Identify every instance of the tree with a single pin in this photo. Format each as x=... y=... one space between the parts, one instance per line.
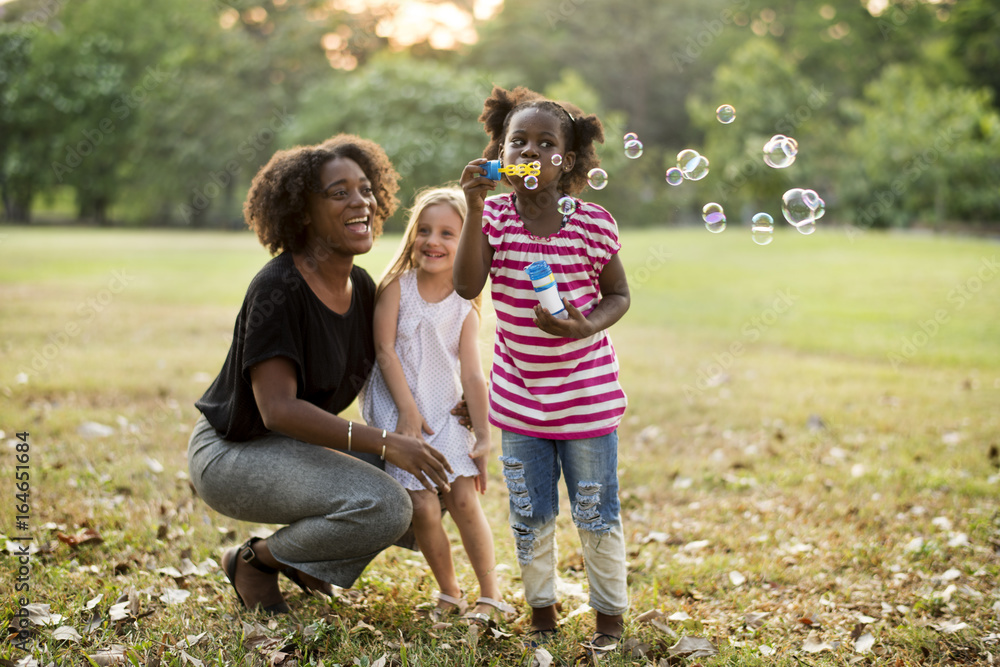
x=921 y=152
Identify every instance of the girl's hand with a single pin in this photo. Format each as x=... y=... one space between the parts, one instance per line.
x=419 y=459
x=576 y=326
x=480 y=479
x=480 y=448
x=413 y=424
x=475 y=184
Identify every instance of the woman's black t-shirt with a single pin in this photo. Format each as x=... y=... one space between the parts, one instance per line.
x=281 y=317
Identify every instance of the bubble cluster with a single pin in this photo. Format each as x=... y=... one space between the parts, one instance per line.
x=802 y=208
x=692 y=164
x=567 y=205
x=674 y=176
x=714 y=217
x=557 y=159
x=762 y=228
x=597 y=178
x=631 y=136
x=780 y=151
x=633 y=149
x=531 y=182
x=726 y=114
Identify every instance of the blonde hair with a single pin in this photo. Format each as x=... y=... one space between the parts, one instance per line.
x=403 y=259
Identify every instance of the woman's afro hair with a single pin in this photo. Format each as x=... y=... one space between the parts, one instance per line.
x=275 y=207
x=580 y=132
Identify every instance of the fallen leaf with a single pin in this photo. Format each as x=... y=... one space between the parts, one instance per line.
x=697 y=545
x=174 y=596
x=766 y=649
x=647 y=616
x=119 y=612
x=812 y=644
x=85 y=536
x=737 y=578
x=951 y=627
x=108 y=657
x=693 y=647
x=679 y=616
x=94 y=430
x=542 y=658
x=864 y=643
x=91 y=603
x=755 y=619
x=66 y=633
x=188 y=659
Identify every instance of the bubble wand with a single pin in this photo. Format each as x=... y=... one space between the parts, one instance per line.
x=493 y=169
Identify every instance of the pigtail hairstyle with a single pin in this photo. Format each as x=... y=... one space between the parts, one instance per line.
x=586 y=130
x=275 y=207
x=580 y=131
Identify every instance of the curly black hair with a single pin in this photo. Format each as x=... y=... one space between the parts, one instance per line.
x=579 y=130
x=275 y=208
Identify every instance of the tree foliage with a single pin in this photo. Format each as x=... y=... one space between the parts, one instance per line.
x=162 y=112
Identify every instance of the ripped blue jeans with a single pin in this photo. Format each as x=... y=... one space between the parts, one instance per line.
x=531 y=468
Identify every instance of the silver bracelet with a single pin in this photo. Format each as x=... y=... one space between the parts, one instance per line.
x=350 y=427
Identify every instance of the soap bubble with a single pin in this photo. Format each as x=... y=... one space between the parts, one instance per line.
x=696 y=169
x=780 y=151
x=633 y=149
x=557 y=159
x=762 y=228
x=531 y=182
x=631 y=136
x=685 y=156
x=597 y=178
x=567 y=205
x=726 y=114
x=535 y=165
x=795 y=209
x=815 y=203
x=807 y=227
x=714 y=217
x=674 y=176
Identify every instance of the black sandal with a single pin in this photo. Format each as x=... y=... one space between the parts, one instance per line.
x=296 y=578
x=245 y=553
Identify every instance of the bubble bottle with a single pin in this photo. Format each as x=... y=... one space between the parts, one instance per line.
x=546 y=289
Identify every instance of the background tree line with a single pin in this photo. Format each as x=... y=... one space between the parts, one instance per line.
x=128 y=112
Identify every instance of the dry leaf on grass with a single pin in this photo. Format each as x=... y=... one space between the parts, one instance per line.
x=542 y=658
x=693 y=647
x=85 y=536
x=66 y=633
x=864 y=643
x=109 y=657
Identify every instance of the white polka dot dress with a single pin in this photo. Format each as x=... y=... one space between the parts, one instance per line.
x=427 y=336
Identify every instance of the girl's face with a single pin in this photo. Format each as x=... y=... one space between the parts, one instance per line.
x=436 y=240
x=536 y=134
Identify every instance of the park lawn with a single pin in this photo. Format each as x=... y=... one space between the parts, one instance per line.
x=809 y=462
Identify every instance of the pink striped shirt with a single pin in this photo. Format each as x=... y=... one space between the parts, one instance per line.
x=542 y=385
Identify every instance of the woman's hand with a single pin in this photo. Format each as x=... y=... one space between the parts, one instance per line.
x=419 y=459
x=576 y=326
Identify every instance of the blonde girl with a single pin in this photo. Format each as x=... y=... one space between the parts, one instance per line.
x=426 y=343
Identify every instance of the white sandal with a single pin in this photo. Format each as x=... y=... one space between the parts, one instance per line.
x=501 y=609
x=457 y=606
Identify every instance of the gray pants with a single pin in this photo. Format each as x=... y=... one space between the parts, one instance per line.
x=338 y=512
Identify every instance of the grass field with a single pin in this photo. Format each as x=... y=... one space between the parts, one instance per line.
x=809 y=462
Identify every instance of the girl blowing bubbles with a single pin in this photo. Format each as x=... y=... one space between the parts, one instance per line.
x=426 y=340
x=554 y=389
